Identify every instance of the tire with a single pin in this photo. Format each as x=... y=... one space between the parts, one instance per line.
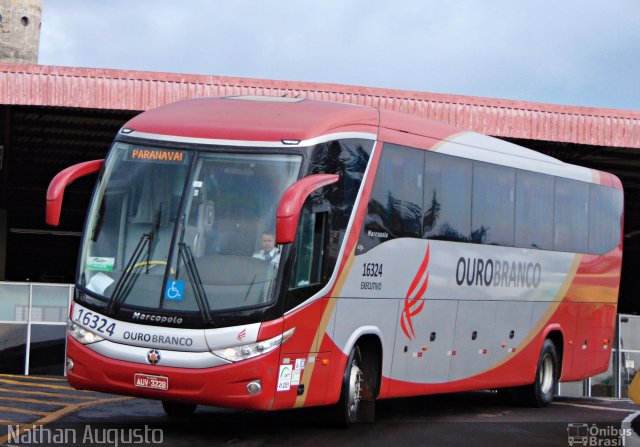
x=349 y=408
x=540 y=392
x=178 y=409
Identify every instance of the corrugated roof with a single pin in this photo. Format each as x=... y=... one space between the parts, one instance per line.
x=134 y=90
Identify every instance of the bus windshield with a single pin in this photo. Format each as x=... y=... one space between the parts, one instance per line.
x=185 y=231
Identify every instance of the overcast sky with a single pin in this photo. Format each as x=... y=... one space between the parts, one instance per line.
x=575 y=52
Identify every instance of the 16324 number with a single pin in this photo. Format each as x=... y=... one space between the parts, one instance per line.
x=371 y=269
x=95 y=322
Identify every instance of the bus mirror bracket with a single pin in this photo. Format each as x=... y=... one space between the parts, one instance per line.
x=291 y=203
x=55 y=193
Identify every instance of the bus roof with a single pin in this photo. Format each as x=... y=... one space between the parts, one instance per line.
x=260 y=119
x=275 y=119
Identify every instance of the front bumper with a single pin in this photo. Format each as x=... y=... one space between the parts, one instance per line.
x=223 y=386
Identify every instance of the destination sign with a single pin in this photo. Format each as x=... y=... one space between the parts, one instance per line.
x=158 y=155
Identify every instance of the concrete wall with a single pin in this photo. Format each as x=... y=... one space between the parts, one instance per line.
x=20 y=30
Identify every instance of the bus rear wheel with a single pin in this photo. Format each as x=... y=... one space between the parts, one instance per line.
x=540 y=392
x=178 y=409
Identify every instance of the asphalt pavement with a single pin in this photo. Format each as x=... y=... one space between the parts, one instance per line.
x=63 y=416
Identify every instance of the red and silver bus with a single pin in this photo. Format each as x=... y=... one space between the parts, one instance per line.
x=411 y=258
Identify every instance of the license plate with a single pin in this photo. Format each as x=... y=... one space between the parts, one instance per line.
x=149 y=381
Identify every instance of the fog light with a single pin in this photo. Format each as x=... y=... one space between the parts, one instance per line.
x=254 y=387
x=69 y=366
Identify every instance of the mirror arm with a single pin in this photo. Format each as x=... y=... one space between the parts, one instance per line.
x=292 y=201
x=55 y=193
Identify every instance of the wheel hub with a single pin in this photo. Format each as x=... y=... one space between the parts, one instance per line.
x=546 y=374
x=355 y=388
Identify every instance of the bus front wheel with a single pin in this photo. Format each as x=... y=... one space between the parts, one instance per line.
x=357 y=403
x=540 y=392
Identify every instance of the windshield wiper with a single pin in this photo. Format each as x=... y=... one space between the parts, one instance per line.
x=186 y=256
x=127 y=280
x=253 y=280
x=152 y=236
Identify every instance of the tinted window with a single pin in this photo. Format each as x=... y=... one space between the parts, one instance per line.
x=571 y=216
x=534 y=210
x=605 y=215
x=472 y=201
x=315 y=256
x=493 y=204
x=395 y=207
x=447 y=198
x=308 y=251
x=348 y=159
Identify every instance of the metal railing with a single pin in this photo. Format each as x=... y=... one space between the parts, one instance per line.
x=628 y=352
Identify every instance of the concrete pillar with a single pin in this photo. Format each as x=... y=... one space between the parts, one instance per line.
x=20 y=30
x=4 y=187
x=3 y=244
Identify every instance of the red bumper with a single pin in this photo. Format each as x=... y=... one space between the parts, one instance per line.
x=223 y=386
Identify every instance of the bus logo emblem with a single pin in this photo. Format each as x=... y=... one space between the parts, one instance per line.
x=242 y=335
x=153 y=356
x=412 y=304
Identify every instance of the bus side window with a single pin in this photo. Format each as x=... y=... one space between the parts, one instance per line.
x=534 y=210
x=395 y=206
x=571 y=216
x=605 y=214
x=493 y=204
x=447 y=198
x=310 y=246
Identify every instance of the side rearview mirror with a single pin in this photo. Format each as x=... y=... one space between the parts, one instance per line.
x=55 y=193
x=291 y=203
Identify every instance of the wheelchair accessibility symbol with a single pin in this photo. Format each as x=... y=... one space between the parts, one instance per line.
x=174 y=290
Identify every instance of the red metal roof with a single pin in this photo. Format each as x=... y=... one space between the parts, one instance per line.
x=133 y=90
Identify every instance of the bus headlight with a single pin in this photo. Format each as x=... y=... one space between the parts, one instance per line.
x=243 y=352
x=81 y=334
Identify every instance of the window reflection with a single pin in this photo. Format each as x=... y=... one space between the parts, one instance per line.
x=492 y=221
x=534 y=210
x=571 y=216
x=13 y=339
x=395 y=207
x=47 y=349
x=447 y=214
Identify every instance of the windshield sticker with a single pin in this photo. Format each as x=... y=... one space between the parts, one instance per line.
x=174 y=290
x=100 y=264
x=161 y=155
x=99 y=283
